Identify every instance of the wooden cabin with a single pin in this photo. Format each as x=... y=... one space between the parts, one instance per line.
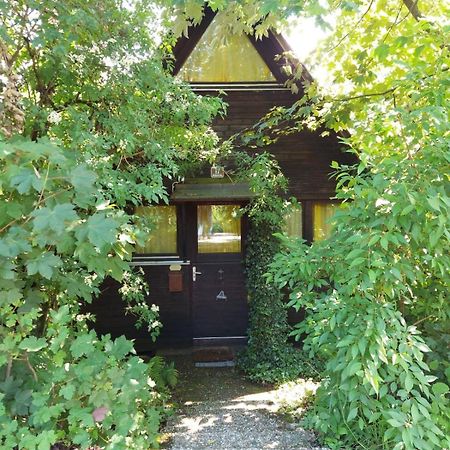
x=194 y=258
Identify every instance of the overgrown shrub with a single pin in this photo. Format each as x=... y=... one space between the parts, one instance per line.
x=78 y=389
x=60 y=382
x=92 y=122
x=378 y=390
x=285 y=364
x=375 y=290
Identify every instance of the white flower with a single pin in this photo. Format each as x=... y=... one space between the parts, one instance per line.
x=382 y=202
x=151 y=383
x=79 y=58
x=54 y=117
x=155 y=308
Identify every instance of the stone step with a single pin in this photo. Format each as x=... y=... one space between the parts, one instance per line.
x=212 y=355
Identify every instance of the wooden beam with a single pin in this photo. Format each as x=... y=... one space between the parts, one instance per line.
x=185 y=45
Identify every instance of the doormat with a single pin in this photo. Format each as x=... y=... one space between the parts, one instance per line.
x=213 y=357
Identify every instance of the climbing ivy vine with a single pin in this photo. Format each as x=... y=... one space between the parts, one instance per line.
x=265 y=355
x=268 y=357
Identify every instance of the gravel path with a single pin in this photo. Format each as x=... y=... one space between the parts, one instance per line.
x=220 y=410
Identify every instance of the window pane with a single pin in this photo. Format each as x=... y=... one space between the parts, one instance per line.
x=322 y=219
x=163 y=237
x=293 y=221
x=221 y=56
x=218 y=229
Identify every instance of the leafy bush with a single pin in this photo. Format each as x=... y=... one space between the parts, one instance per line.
x=385 y=262
x=60 y=383
x=286 y=364
x=92 y=122
x=437 y=337
x=74 y=388
x=377 y=287
x=378 y=389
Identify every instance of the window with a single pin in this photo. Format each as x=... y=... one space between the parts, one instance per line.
x=221 y=56
x=293 y=221
x=218 y=229
x=323 y=213
x=163 y=237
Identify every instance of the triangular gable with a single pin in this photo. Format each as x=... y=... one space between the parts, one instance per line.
x=220 y=57
x=268 y=48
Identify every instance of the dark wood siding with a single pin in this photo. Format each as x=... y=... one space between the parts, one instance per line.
x=174 y=308
x=304 y=157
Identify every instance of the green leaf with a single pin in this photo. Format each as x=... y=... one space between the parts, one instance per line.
x=407 y=209
x=121 y=347
x=382 y=51
x=355 y=252
x=354 y=367
x=43 y=264
x=374 y=239
x=33 y=299
x=5 y=249
x=67 y=391
x=83 y=345
x=32 y=344
x=352 y=414
x=23 y=181
x=83 y=179
x=434 y=203
x=440 y=388
x=423 y=347
x=357 y=261
x=396 y=273
x=101 y=230
x=395 y=423
x=46 y=439
x=7 y=270
x=54 y=219
x=409 y=383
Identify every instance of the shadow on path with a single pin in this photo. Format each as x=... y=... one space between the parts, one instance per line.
x=220 y=410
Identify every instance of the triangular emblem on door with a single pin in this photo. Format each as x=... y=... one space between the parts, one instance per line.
x=221 y=296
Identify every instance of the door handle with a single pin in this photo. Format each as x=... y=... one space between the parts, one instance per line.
x=195 y=273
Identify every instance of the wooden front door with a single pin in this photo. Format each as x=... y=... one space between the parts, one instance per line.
x=219 y=298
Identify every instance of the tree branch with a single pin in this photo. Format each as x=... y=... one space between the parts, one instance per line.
x=413 y=8
x=354 y=27
x=8 y=368
x=33 y=372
